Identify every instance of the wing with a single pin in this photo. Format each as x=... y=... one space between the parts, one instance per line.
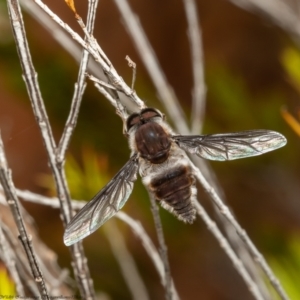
x=229 y=146
x=104 y=205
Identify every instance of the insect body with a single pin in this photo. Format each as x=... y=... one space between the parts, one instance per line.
x=160 y=157
x=163 y=166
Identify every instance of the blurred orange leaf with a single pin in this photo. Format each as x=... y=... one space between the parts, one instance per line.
x=294 y=124
x=71 y=4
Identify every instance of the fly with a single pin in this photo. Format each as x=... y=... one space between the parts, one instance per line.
x=159 y=155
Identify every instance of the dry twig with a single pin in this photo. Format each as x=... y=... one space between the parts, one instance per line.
x=80 y=262
x=197 y=61
x=126 y=262
x=12 y=201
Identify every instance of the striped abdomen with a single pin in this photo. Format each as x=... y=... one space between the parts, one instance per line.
x=175 y=190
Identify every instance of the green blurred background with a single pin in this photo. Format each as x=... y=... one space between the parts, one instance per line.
x=252 y=72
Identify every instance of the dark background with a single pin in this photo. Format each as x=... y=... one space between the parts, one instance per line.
x=248 y=83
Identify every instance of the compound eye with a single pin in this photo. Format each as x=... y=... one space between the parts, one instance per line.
x=132 y=120
x=150 y=113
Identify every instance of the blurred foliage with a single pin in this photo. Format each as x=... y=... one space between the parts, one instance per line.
x=287 y=266
x=232 y=106
x=85 y=178
x=290 y=60
x=7 y=287
x=230 y=98
x=90 y=177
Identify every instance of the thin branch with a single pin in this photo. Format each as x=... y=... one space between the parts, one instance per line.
x=135 y=226
x=64 y=39
x=12 y=201
x=120 y=109
x=9 y=261
x=199 y=90
x=241 y=249
x=56 y=279
x=280 y=12
x=102 y=83
x=165 y=91
x=237 y=263
x=162 y=248
x=60 y=35
x=21 y=261
x=132 y=65
x=198 y=110
x=95 y=50
x=79 y=88
x=103 y=88
x=110 y=72
x=80 y=262
x=147 y=243
x=140 y=232
x=126 y=262
x=258 y=257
